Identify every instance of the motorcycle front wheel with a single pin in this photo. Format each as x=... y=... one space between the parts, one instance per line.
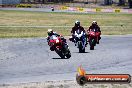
x=92 y=44
x=81 y=50
x=60 y=53
x=68 y=55
x=67 y=51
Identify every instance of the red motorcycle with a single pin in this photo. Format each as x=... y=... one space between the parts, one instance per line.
x=94 y=37
x=59 y=46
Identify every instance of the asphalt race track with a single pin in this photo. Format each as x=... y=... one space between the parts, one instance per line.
x=30 y=60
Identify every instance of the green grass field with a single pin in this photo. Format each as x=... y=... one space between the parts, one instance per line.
x=111 y=23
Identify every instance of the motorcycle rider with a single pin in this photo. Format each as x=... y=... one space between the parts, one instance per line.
x=75 y=28
x=96 y=27
x=50 y=32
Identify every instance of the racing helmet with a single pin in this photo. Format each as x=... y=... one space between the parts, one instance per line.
x=50 y=32
x=94 y=23
x=77 y=23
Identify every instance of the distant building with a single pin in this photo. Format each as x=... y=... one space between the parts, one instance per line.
x=9 y=2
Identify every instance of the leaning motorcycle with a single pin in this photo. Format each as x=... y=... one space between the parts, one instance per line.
x=93 y=38
x=59 y=46
x=80 y=40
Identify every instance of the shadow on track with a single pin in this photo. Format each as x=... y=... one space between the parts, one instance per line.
x=78 y=52
x=60 y=58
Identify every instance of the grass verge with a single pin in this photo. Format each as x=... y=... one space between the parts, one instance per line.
x=111 y=23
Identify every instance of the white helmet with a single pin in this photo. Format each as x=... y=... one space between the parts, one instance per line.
x=94 y=22
x=50 y=31
x=77 y=23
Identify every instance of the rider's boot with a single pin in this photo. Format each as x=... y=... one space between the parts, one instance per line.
x=98 y=40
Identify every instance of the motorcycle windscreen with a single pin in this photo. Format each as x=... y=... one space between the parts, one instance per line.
x=94 y=30
x=78 y=31
x=79 y=34
x=53 y=37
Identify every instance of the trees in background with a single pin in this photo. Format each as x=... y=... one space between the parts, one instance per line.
x=130 y=3
x=107 y=2
x=121 y=2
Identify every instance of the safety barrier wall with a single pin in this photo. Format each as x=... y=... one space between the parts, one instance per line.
x=24 y=5
x=79 y=9
x=76 y=9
